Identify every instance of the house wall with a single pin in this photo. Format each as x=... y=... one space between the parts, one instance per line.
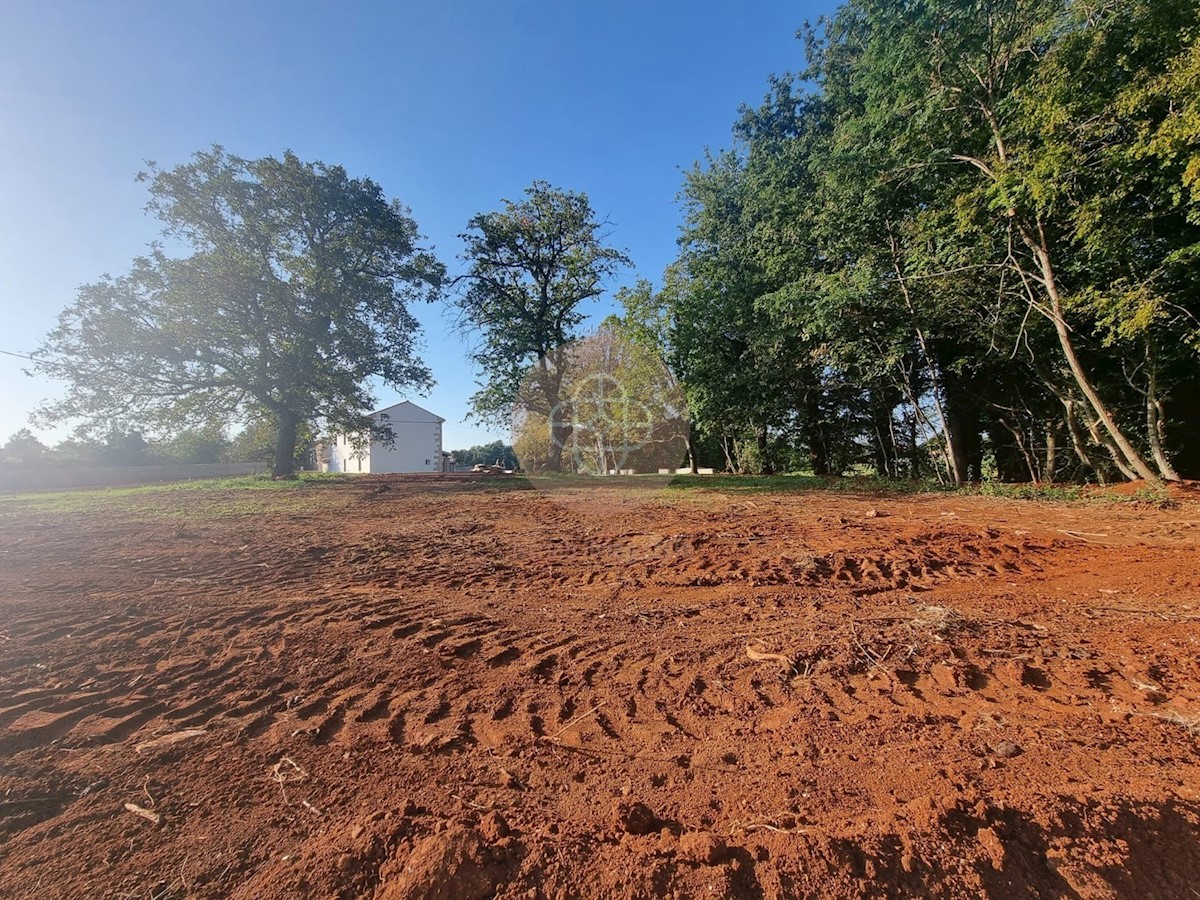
x=344 y=458
x=418 y=448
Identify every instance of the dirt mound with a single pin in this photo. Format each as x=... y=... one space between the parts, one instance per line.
x=473 y=690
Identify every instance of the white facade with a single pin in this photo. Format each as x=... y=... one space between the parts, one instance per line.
x=417 y=448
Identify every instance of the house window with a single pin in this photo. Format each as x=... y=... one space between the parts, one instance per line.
x=426 y=462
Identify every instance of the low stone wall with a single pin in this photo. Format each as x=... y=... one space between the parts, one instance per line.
x=61 y=479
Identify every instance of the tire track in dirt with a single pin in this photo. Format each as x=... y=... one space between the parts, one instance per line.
x=645 y=693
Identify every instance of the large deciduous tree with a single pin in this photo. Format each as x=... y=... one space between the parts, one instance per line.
x=296 y=292
x=532 y=266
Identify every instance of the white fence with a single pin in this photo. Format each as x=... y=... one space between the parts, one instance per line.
x=60 y=479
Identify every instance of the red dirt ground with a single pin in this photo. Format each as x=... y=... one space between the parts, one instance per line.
x=456 y=689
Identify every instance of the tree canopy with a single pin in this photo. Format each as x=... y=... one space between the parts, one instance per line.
x=296 y=292
x=487 y=455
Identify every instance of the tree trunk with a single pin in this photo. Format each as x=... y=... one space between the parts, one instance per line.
x=953 y=453
x=879 y=449
x=1079 y=442
x=959 y=468
x=560 y=434
x=768 y=467
x=1026 y=450
x=881 y=414
x=1155 y=420
x=818 y=454
x=1099 y=437
x=961 y=409
x=550 y=375
x=691 y=455
x=1154 y=431
x=920 y=417
x=1051 y=451
x=1118 y=444
x=287 y=425
x=729 y=464
x=895 y=444
x=1116 y=440
x=1011 y=467
x=914 y=451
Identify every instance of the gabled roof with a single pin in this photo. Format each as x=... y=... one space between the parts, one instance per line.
x=407 y=411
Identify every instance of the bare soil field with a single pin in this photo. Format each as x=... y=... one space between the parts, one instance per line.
x=409 y=688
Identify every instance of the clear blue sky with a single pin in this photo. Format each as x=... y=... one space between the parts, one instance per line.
x=451 y=106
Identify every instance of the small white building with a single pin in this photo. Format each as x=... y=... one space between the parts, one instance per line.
x=417 y=447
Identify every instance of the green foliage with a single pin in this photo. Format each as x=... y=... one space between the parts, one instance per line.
x=1173 y=139
x=1050 y=492
x=531 y=266
x=965 y=229
x=1110 y=164
x=196 y=445
x=115 y=447
x=487 y=454
x=1154 y=495
x=771 y=484
x=256 y=442
x=297 y=291
x=23 y=449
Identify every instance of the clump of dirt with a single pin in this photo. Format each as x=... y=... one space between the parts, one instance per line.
x=464 y=688
x=453 y=865
x=635 y=818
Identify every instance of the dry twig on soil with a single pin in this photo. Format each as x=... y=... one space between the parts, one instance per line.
x=873 y=658
x=1191 y=724
x=294 y=773
x=1134 y=611
x=578 y=718
x=767 y=825
x=786 y=665
x=465 y=802
x=941 y=620
x=1085 y=536
x=147 y=814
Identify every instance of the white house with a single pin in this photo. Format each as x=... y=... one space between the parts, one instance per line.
x=417 y=448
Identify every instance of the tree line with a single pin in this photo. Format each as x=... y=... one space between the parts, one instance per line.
x=963 y=240
x=965 y=235
x=490 y=454
x=25 y=450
